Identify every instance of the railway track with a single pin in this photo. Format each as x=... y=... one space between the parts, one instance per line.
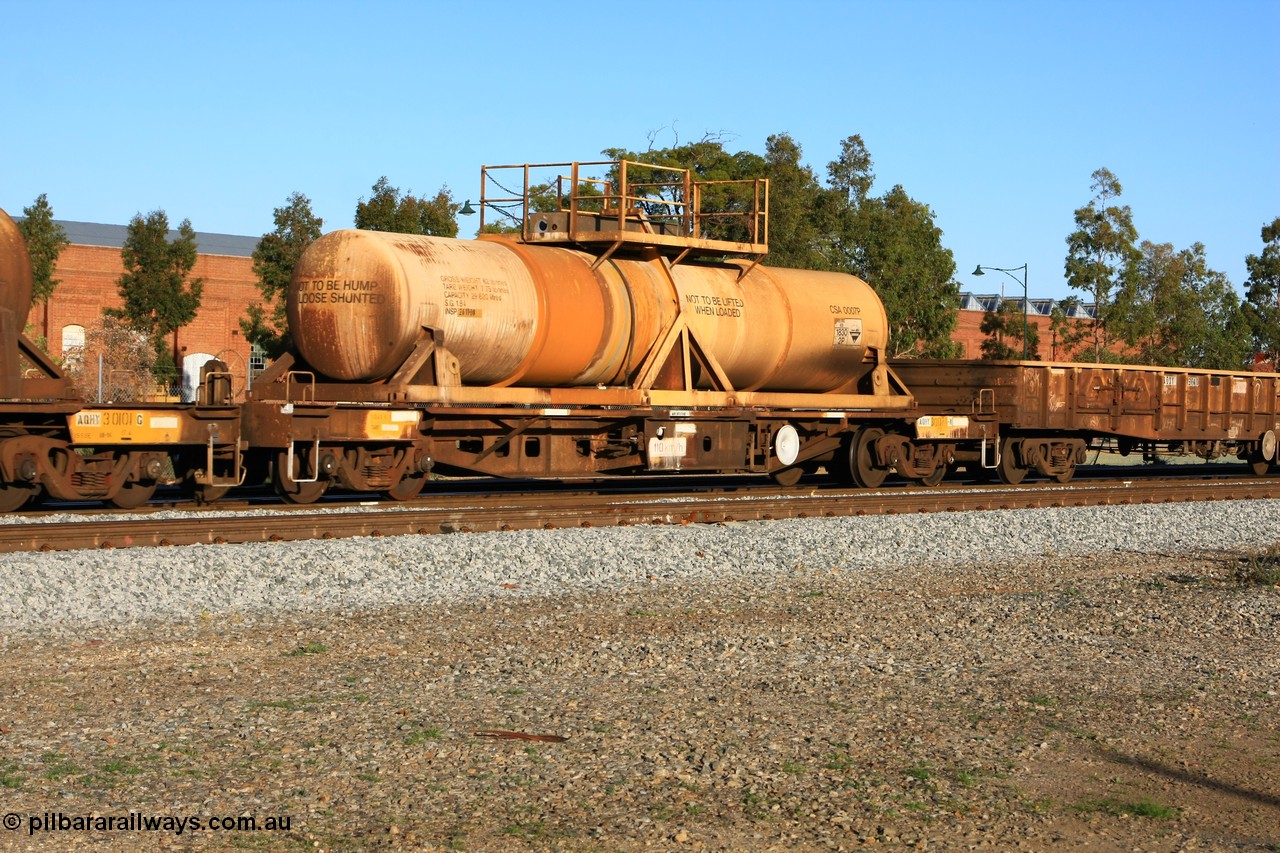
x=488 y=512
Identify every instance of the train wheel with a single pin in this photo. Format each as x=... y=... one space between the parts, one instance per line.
x=208 y=494
x=1258 y=465
x=1011 y=473
x=200 y=493
x=935 y=476
x=862 y=459
x=788 y=476
x=133 y=495
x=288 y=488
x=408 y=488
x=13 y=495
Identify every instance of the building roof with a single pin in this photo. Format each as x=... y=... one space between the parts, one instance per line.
x=113 y=236
x=1042 y=307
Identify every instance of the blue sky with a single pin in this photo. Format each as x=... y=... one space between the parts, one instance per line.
x=993 y=113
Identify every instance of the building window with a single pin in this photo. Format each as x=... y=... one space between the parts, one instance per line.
x=257 y=360
x=72 y=346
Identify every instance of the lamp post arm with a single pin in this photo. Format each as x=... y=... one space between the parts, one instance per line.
x=1026 y=301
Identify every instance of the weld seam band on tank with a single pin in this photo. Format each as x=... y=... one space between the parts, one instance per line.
x=623 y=359
x=538 y=277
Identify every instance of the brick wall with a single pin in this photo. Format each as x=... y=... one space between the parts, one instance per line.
x=88 y=277
x=969 y=335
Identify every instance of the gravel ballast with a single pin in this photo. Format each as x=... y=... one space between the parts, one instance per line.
x=1091 y=678
x=72 y=590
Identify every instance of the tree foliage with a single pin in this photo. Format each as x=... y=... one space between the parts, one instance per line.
x=1068 y=331
x=45 y=241
x=902 y=256
x=1177 y=311
x=890 y=240
x=1262 y=308
x=1102 y=256
x=1004 y=330
x=795 y=229
x=388 y=210
x=159 y=298
x=274 y=259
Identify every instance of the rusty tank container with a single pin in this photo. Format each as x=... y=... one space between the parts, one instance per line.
x=15 y=273
x=516 y=314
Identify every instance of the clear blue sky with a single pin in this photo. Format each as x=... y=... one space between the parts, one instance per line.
x=993 y=113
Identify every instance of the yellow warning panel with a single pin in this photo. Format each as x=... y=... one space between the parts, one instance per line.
x=125 y=426
x=942 y=426
x=391 y=424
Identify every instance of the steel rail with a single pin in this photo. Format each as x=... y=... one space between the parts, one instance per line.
x=515 y=512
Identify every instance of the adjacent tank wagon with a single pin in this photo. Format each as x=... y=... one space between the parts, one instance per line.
x=515 y=315
x=604 y=336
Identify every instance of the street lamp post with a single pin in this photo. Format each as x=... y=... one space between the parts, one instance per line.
x=1026 y=304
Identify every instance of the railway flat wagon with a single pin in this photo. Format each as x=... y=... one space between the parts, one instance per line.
x=1021 y=416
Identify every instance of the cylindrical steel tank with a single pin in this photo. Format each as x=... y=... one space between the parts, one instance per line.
x=539 y=316
x=15 y=272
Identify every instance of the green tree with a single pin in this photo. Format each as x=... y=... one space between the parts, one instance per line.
x=1068 y=332
x=849 y=181
x=159 y=298
x=1262 y=308
x=274 y=259
x=1177 y=311
x=1153 y=310
x=707 y=161
x=45 y=241
x=795 y=230
x=1004 y=331
x=891 y=241
x=850 y=174
x=1102 y=256
x=1214 y=332
x=1228 y=345
x=388 y=210
x=898 y=250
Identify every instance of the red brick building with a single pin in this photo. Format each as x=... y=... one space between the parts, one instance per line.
x=89 y=268
x=973 y=307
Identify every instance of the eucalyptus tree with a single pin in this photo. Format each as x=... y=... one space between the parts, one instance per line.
x=388 y=210
x=1102 y=257
x=274 y=259
x=1178 y=311
x=1263 y=294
